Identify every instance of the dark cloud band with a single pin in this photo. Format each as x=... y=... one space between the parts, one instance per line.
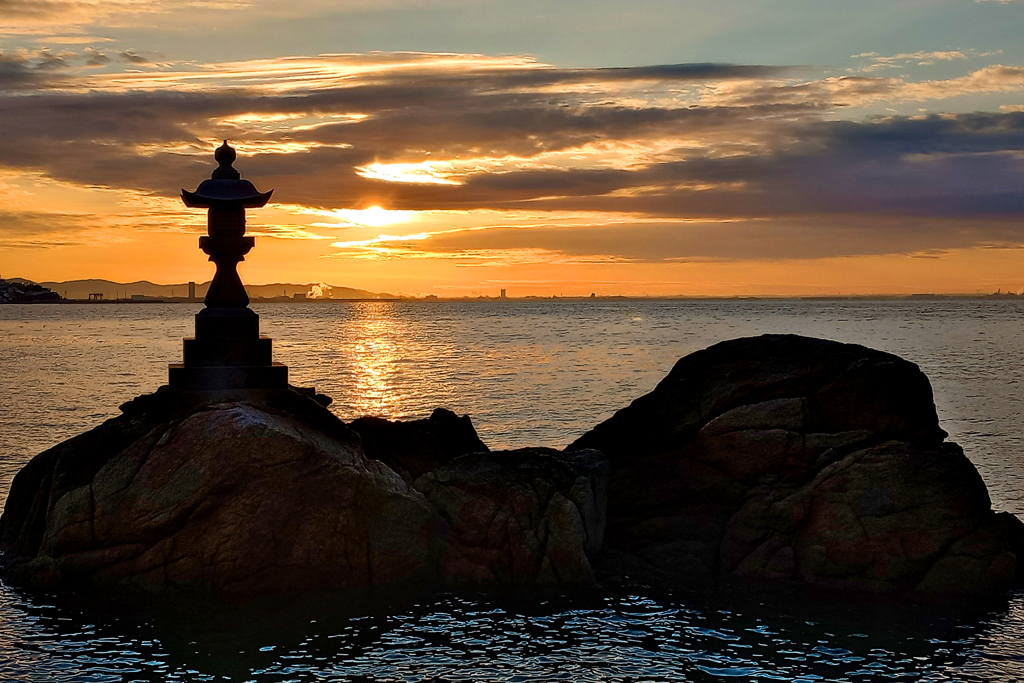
x=789 y=182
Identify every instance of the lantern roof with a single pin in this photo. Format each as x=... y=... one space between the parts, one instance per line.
x=225 y=189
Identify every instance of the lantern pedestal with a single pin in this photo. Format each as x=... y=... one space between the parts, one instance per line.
x=227 y=352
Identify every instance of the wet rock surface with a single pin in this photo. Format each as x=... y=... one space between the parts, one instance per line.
x=787 y=459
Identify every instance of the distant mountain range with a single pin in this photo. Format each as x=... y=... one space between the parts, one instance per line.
x=81 y=289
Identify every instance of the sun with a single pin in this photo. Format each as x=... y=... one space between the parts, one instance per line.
x=370 y=217
x=377 y=217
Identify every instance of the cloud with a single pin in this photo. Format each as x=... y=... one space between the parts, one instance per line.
x=71 y=40
x=95 y=58
x=877 y=62
x=696 y=241
x=481 y=73
x=992 y=79
x=699 y=161
x=44 y=69
x=24 y=71
x=862 y=91
x=133 y=57
x=44 y=229
x=50 y=16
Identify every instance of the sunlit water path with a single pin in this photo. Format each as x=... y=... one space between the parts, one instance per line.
x=538 y=373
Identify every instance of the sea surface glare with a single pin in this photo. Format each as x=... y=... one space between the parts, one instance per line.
x=529 y=373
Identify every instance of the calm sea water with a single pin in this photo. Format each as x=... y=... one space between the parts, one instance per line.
x=529 y=374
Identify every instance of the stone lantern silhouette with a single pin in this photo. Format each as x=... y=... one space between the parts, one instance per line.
x=227 y=352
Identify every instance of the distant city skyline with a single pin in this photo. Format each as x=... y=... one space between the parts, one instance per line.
x=461 y=147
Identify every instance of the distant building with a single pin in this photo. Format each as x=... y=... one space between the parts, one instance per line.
x=503 y=294
x=191 y=290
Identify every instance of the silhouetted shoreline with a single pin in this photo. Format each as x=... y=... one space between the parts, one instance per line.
x=529 y=299
x=145 y=292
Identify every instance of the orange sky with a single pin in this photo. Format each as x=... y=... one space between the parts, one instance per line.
x=454 y=172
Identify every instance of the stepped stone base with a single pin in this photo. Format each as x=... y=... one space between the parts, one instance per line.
x=221 y=377
x=227 y=353
x=207 y=352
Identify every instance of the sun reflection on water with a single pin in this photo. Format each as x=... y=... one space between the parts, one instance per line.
x=376 y=338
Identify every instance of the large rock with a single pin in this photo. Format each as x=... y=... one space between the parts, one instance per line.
x=269 y=493
x=802 y=460
x=241 y=497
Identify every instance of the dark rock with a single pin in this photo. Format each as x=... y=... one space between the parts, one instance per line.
x=268 y=492
x=526 y=517
x=778 y=459
x=784 y=458
x=415 y=447
x=237 y=497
